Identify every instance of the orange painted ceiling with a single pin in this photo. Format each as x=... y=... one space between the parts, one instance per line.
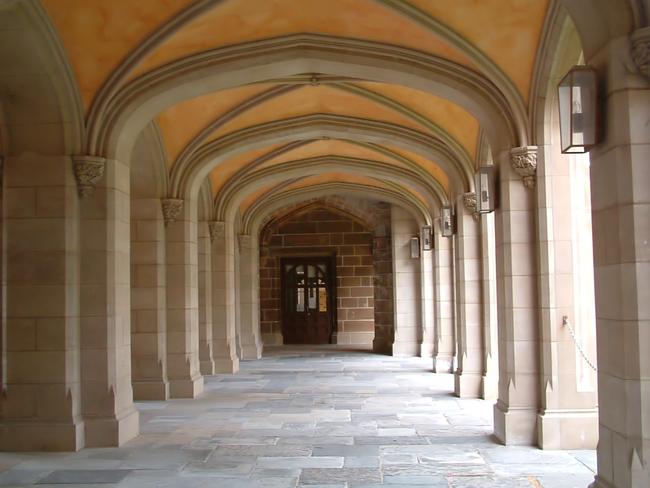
x=99 y=34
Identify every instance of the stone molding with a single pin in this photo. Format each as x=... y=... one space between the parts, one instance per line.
x=640 y=40
x=524 y=162
x=258 y=214
x=217 y=229
x=405 y=178
x=171 y=209
x=305 y=126
x=88 y=170
x=508 y=113
x=245 y=176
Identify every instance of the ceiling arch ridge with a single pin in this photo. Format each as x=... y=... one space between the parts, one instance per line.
x=226 y=117
x=555 y=25
x=461 y=152
x=253 y=218
x=439 y=132
x=324 y=164
x=488 y=67
x=53 y=58
x=265 y=158
x=230 y=186
x=111 y=86
x=142 y=98
x=313 y=127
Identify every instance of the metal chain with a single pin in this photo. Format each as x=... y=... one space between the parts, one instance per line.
x=565 y=321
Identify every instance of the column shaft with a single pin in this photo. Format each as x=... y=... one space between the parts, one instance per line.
x=515 y=413
x=205 y=300
x=444 y=349
x=148 y=301
x=105 y=305
x=183 y=367
x=407 y=288
x=469 y=373
x=40 y=405
x=223 y=300
x=251 y=344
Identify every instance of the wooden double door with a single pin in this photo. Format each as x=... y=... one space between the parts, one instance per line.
x=308 y=300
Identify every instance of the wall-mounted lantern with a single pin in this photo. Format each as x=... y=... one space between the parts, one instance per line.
x=579 y=117
x=427 y=238
x=415 y=247
x=485 y=184
x=446 y=221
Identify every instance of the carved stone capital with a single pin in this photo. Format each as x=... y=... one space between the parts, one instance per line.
x=524 y=162
x=640 y=40
x=171 y=209
x=244 y=241
x=88 y=170
x=469 y=200
x=217 y=229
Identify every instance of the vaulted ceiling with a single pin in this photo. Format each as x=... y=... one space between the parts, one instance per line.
x=118 y=42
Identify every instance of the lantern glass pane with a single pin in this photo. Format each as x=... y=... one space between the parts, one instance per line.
x=586 y=82
x=484 y=184
x=564 y=93
x=578 y=110
x=446 y=225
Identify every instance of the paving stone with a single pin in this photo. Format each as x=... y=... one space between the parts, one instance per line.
x=317 y=418
x=84 y=476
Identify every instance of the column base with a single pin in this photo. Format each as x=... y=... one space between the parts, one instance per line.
x=568 y=429
x=443 y=364
x=382 y=346
x=468 y=385
x=186 y=388
x=600 y=483
x=41 y=436
x=113 y=431
x=251 y=351
x=489 y=387
x=273 y=339
x=406 y=349
x=150 y=390
x=207 y=367
x=360 y=339
x=226 y=366
x=426 y=350
x=515 y=426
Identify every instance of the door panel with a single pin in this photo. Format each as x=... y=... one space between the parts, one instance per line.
x=307 y=299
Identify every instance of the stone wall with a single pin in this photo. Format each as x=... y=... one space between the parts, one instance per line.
x=322 y=231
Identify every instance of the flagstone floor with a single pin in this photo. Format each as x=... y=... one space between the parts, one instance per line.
x=317 y=418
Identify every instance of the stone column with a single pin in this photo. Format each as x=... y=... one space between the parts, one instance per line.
x=251 y=343
x=515 y=413
x=620 y=200
x=205 y=300
x=183 y=367
x=469 y=373
x=490 y=381
x=407 y=288
x=382 y=260
x=105 y=304
x=40 y=405
x=427 y=304
x=444 y=335
x=148 y=301
x=569 y=414
x=223 y=298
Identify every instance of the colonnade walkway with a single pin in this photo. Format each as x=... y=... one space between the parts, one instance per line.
x=316 y=417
